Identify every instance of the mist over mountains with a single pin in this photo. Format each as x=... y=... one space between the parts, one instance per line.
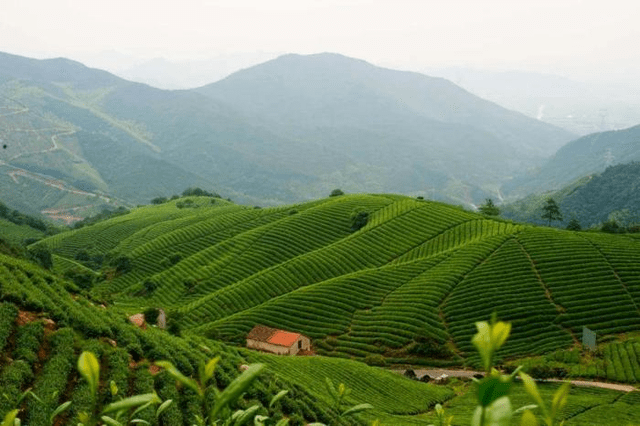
x=287 y=130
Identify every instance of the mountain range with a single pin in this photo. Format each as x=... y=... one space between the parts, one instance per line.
x=290 y=129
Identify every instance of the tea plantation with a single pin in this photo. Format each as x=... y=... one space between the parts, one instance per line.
x=415 y=277
x=404 y=287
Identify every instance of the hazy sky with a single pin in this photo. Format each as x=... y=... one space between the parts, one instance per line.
x=569 y=37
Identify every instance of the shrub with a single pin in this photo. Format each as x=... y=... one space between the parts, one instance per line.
x=151 y=315
x=81 y=278
x=159 y=200
x=377 y=360
x=410 y=374
x=359 y=218
x=82 y=256
x=150 y=286
x=122 y=264
x=43 y=257
x=336 y=192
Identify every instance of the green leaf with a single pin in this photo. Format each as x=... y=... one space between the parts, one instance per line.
x=560 y=399
x=113 y=388
x=492 y=388
x=84 y=417
x=145 y=406
x=10 y=417
x=140 y=421
x=285 y=422
x=171 y=369
x=499 y=333
x=110 y=421
x=278 y=397
x=357 y=409
x=259 y=420
x=235 y=389
x=525 y=408
x=131 y=402
x=163 y=407
x=497 y=414
x=33 y=395
x=528 y=419
x=61 y=408
x=331 y=388
x=532 y=389
x=209 y=369
x=246 y=415
x=89 y=367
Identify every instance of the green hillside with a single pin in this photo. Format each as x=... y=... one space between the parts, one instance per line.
x=582 y=157
x=592 y=200
x=43 y=329
x=407 y=287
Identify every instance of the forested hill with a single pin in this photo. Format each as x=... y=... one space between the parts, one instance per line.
x=376 y=277
x=582 y=157
x=612 y=195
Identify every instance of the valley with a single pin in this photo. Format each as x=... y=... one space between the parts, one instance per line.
x=393 y=271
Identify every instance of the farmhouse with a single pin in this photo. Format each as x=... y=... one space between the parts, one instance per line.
x=277 y=341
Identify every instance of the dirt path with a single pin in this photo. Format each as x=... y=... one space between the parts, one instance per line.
x=433 y=373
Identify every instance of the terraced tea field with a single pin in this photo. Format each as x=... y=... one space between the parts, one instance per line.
x=407 y=287
x=44 y=328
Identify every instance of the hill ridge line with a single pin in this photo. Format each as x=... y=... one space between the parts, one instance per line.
x=441 y=312
x=547 y=291
x=606 y=259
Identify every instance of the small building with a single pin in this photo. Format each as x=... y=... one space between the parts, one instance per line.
x=277 y=341
x=138 y=319
x=161 y=322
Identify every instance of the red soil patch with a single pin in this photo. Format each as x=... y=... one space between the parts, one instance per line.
x=25 y=317
x=49 y=324
x=154 y=369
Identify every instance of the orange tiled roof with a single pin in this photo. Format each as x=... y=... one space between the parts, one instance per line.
x=283 y=338
x=273 y=336
x=137 y=319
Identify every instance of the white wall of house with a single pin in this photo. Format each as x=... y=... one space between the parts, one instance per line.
x=281 y=350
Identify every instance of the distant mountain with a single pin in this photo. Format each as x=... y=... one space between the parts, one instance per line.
x=166 y=74
x=291 y=129
x=400 y=131
x=592 y=200
x=581 y=107
x=79 y=138
x=581 y=157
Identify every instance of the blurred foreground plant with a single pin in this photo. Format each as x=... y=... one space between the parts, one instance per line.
x=492 y=392
x=219 y=412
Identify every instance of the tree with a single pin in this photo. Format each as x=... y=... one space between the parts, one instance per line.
x=489 y=209
x=43 y=257
x=551 y=211
x=336 y=192
x=574 y=225
x=122 y=264
x=359 y=218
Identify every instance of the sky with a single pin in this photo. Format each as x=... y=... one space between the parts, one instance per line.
x=577 y=38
